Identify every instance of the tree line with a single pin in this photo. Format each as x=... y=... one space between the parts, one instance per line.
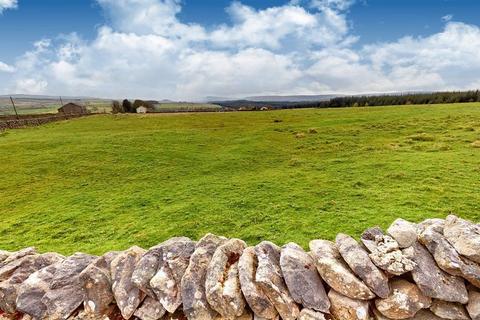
x=361 y=101
x=128 y=107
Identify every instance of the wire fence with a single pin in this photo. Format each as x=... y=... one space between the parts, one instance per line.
x=48 y=105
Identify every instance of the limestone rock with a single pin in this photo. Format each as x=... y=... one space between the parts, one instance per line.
x=4 y=255
x=302 y=278
x=358 y=260
x=309 y=314
x=32 y=290
x=253 y=293
x=127 y=295
x=151 y=309
x=65 y=293
x=464 y=236
x=222 y=284
x=386 y=254
x=377 y=315
x=112 y=314
x=434 y=282
x=425 y=315
x=449 y=310
x=336 y=273
x=146 y=268
x=403 y=232
x=447 y=258
x=247 y=315
x=195 y=304
x=174 y=260
x=473 y=306
x=404 y=302
x=18 y=255
x=436 y=225
x=16 y=272
x=345 y=308
x=371 y=237
x=96 y=280
x=269 y=278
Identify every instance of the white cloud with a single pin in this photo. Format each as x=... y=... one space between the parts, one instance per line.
x=332 y=4
x=298 y=48
x=8 y=4
x=6 y=68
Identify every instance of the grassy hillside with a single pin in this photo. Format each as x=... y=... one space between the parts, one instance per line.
x=107 y=182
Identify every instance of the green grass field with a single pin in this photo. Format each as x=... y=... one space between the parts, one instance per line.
x=107 y=182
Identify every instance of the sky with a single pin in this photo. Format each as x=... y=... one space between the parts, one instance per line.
x=191 y=49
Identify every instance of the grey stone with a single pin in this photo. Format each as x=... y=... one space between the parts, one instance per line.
x=222 y=284
x=302 y=278
x=151 y=309
x=335 y=272
x=346 y=308
x=127 y=296
x=18 y=255
x=309 y=314
x=435 y=224
x=358 y=260
x=447 y=258
x=464 y=236
x=174 y=260
x=32 y=290
x=253 y=293
x=404 y=302
x=96 y=281
x=195 y=305
x=386 y=254
x=146 y=269
x=473 y=306
x=16 y=272
x=111 y=314
x=65 y=293
x=449 y=310
x=269 y=278
x=370 y=238
x=433 y=281
x=404 y=232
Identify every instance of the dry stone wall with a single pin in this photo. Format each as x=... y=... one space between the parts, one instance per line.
x=429 y=270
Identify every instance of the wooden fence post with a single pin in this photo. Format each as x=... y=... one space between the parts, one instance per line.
x=14 y=108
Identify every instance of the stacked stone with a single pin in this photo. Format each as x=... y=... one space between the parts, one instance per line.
x=420 y=271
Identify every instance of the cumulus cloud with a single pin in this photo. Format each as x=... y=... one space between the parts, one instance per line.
x=7 y=4
x=6 y=68
x=302 y=47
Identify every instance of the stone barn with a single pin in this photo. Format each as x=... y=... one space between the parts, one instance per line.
x=72 y=108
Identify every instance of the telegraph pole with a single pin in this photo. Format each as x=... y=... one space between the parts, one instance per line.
x=61 y=101
x=14 y=108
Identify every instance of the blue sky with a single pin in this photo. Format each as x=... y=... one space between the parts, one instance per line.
x=49 y=46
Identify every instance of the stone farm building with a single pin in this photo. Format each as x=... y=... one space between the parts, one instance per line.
x=72 y=108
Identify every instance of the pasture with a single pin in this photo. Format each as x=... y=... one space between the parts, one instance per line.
x=110 y=181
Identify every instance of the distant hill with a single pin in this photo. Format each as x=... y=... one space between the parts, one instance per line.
x=293 y=98
x=277 y=98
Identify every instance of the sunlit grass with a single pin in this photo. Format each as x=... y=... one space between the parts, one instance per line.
x=107 y=182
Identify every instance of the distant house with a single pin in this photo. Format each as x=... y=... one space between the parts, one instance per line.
x=142 y=109
x=72 y=108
